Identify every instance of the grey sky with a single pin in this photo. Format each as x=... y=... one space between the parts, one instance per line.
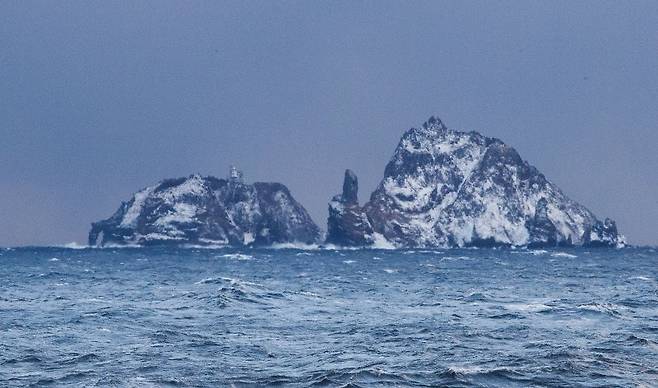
x=99 y=99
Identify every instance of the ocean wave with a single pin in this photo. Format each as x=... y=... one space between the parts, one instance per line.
x=305 y=317
x=237 y=256
x=237 y=290
x=602 y=308
x=29 y=359
x=642 y=278
x=296 y=246
x=75 y=245
x=205 y=246
x=508 y=315
x=474 y=370
x=634 y=340
x=529 y=307
x=224 y=280
x=82 y=358
x=564 y=255
x=455 y=258
x=525 y=251
x=476 y=297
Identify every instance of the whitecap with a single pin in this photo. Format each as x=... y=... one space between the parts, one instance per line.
x=207 y=280
x=643 y=278
x=237 y=256
x=299 y=246
x=605 y=308
x=308 y=293
x=53 y=259
x=452 y=258
x=529 y=307
x=349 y=261
x=207 y=246
x=117 y=246
x=466 y=369
x=563 y=254
x=476 y=297
x=389 y=270
x=231 y=281
x=74 y=245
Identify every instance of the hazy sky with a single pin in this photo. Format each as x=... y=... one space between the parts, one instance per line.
x=99 y=99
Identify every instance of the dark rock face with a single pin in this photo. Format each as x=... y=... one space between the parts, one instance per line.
x=602 y=234
x=348 y=224
x=541 y=229
x=350 y=188
x=207 y=211
x=450 y=188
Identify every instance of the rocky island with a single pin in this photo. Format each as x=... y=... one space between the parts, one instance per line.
x=450 y=188
x=208 y=211
x=442 y=188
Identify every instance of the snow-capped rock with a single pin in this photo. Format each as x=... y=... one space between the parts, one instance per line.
x=208 y=211
x=450 y=188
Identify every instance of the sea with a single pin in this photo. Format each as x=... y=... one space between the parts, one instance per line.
x=193 y=317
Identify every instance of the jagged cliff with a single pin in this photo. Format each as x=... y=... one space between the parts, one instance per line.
x=208 y=211
x=450 y=188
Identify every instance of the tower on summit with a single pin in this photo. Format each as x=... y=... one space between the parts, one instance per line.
x=235 y=175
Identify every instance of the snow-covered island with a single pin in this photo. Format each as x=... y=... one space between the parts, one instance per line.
x=208 y=211
x=450 y=188
x=442 y=188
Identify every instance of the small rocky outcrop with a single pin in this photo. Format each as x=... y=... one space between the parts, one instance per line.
x=348 y=224
x=451 y=188
x=208 y=211
x=602 y=234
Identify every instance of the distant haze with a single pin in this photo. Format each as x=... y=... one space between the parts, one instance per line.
x=99 y=99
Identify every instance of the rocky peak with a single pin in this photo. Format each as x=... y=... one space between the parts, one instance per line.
x=434 y=124
x=451 y=188
x=348 y=224
x=350 y=188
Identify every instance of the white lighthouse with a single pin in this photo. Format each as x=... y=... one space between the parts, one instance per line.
x=235 y=175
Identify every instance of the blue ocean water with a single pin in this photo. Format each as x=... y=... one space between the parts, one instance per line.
x=223 y=317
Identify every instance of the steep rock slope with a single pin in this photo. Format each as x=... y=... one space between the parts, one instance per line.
x=450 y=188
